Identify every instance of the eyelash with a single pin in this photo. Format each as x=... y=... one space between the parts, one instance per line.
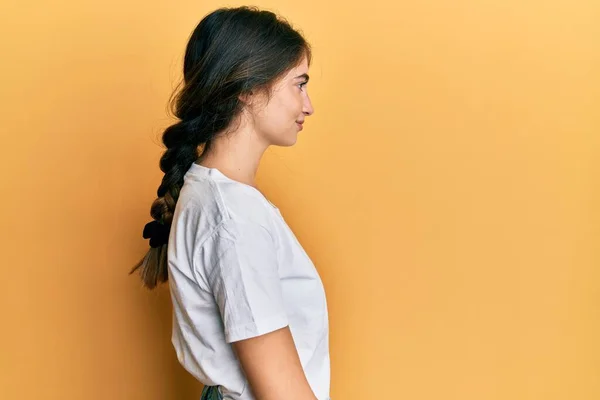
x=301 y=85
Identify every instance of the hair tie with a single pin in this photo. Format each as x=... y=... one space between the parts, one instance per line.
x=157 y=233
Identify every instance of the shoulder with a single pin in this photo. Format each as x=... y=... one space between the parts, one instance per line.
x=222 y=206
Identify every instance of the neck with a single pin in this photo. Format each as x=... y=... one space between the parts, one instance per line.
x=236 y=155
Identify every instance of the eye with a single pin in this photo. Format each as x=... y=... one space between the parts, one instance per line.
x=301 y=85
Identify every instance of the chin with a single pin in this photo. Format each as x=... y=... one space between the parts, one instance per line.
x=293 y=141
x=286 y=142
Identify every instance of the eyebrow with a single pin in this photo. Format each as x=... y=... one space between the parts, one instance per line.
x=305 y=76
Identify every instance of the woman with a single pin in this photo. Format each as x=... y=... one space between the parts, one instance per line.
x=250 y=314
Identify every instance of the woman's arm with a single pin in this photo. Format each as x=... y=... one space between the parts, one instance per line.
x=272 y=366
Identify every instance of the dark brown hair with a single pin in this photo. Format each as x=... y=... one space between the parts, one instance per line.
x=231 y=52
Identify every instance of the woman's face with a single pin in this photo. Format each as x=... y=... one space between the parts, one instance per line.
x=279 y=121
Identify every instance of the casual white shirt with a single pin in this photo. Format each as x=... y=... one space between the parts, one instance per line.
x=236 y=271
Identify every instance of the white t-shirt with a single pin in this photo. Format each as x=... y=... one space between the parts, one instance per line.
x=236 y=271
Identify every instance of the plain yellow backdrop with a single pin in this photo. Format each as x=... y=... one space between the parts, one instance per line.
x=447 y=188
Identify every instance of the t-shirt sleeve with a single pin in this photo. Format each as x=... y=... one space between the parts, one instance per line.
x=245 y=280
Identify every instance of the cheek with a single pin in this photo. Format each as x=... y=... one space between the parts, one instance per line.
x=284 y=111
x=288 y=111
x=296 y=105
x=293 y=99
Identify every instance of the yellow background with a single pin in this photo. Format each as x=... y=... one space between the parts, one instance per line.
x=447 y=188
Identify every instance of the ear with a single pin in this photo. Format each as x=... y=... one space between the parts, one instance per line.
x=246 y=97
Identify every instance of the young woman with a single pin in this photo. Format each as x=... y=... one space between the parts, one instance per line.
x=250 y=314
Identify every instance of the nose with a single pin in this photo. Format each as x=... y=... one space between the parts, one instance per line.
x=307 y=108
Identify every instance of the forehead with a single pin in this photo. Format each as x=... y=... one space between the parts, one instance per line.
x=301 y=68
